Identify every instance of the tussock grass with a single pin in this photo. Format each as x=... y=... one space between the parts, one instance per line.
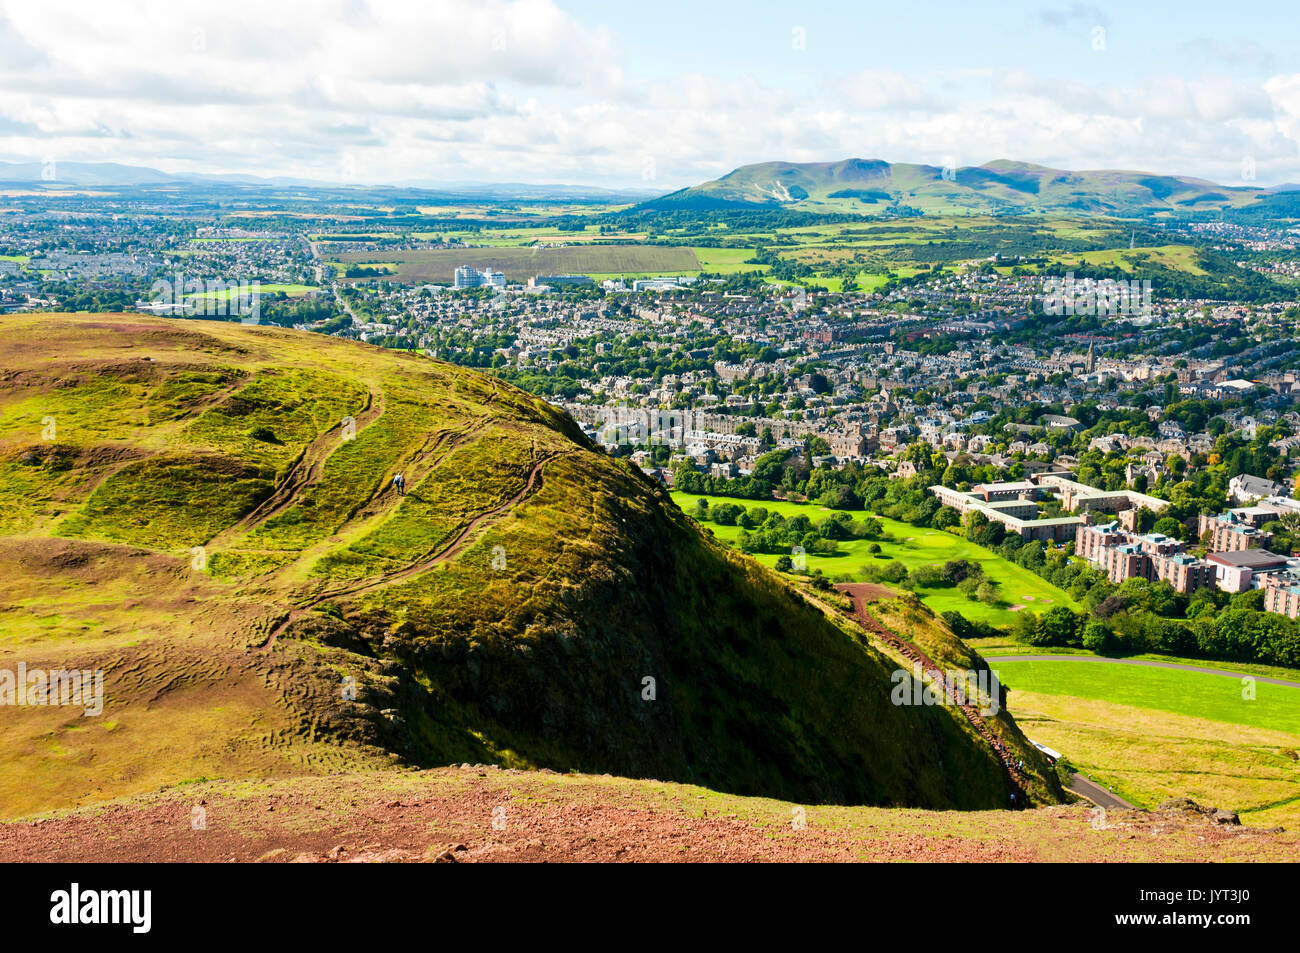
x=170 y=502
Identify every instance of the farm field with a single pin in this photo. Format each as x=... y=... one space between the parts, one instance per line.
x=1177 y=257
x=726 y=261
x=877 y=248
x=1152 y=733
x=516 y=211
x=264 y=289
x=914 y=546
x=523 y=236
x=522 y=263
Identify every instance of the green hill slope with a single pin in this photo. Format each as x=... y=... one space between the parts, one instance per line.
x=204 y=512
x=872 y=186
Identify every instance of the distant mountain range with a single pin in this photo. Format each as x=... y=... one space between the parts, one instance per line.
x=115 y=175
x=873 y=186
x=862 y=186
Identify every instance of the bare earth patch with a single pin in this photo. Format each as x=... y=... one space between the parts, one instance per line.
x=477 y=814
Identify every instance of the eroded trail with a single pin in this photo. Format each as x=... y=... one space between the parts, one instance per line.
x=304 y=472
x=458 y=543
x=1016 y=779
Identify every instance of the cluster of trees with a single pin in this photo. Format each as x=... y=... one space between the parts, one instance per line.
x=1239 y=633
x=764 y=532
x=789 y=473
x=366 y=271
x=1133 y=617
x=279 y=310
x=99 y=300
x=966 y=576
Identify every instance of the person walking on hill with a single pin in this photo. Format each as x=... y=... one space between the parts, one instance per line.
x=399 y=484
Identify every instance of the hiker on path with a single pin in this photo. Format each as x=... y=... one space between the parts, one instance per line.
x=399 y=484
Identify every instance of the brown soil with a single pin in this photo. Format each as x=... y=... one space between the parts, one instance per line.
x=477 y=814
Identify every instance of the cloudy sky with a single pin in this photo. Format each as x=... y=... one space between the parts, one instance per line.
x=653 y=93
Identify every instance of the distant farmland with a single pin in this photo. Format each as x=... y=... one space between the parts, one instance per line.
x=520 y=264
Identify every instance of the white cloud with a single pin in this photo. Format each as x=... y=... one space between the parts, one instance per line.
x=519 y=90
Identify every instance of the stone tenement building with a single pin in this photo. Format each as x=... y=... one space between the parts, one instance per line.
x=669 y=426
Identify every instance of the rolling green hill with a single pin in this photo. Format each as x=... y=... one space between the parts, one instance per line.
x=872 y=186
x=204 y=512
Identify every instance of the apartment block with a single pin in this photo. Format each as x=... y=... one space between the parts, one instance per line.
x=1152 y=556
x=1231 y=533
x=1246 y=569
x=1282 y=595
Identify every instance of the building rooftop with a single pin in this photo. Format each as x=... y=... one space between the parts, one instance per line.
x=1248 y=559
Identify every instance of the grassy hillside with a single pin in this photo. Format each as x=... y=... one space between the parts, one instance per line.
x=203 y=511
x=871 y=186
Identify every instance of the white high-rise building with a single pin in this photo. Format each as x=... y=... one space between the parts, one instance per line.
x=467 y=276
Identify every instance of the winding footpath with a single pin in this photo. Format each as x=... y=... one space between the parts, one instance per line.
x=449 y=550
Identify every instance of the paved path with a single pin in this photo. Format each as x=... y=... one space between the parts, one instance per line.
x=1085 y=787
x=1094 y=792
x=1124 y=661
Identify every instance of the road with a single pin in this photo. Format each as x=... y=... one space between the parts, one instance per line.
x=1094 y=792
x=1081 y=785
x=1150 y=664
x=334 y=286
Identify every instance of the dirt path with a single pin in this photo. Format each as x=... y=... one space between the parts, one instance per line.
x=304 y=472
x=1016 y=779
x=458 y=544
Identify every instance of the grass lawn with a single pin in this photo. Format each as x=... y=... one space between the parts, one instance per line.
x=1151 y=734
x=913 y=546
x=1006 y=645
x=1197 y=694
